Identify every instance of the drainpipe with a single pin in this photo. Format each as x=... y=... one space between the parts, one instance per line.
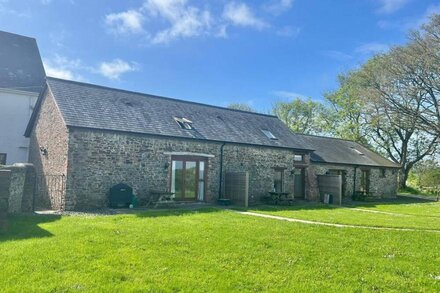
x=221 y=171
x=354 y=180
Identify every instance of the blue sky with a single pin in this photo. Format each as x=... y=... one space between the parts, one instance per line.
x=215 y=52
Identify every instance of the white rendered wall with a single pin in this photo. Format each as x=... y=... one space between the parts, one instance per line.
x=15 y=110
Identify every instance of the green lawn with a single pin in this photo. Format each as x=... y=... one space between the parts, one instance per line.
x=214 y=250
x=393 y=214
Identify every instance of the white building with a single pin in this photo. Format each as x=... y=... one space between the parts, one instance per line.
x=21 y=80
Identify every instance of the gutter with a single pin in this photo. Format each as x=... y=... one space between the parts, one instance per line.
x=354 y=180
x=221 y=171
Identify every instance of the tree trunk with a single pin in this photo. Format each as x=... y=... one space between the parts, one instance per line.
x=403 y=176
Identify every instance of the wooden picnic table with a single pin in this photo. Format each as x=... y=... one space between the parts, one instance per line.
x=158 y=197
x=280 y=197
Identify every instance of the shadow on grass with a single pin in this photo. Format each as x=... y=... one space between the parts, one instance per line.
x=177 y=212
x=17 y=227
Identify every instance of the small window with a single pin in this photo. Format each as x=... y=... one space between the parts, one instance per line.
x=2 y=159
x=298 y=158
x=278 y=179
x=383 y=173
x=184 y=123
x=358 y=151
x=269 y=134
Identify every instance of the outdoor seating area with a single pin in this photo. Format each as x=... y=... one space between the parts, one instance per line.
x=279 y=198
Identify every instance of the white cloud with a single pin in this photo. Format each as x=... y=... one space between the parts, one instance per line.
x=184 y=21
x=337 y=55
x=289 y=31
x=64 y=68
x=164 y=21
x=115 y=68
x=129 y=21
x=390 y=6
x=277 y=7
x=289 y=95
x=72 y=69
x=372 y=48
x=240 y=14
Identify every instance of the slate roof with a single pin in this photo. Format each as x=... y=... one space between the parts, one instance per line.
x=91 y=106
x=21 y=67
x=340 y=151
x=96 y=107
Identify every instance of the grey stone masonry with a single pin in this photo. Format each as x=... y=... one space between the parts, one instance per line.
x=48 y=144
x=17 y=188
x=378 y=186
x=100 y=159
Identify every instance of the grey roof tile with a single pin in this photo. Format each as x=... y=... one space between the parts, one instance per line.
x=21 y=67
x=92 y=106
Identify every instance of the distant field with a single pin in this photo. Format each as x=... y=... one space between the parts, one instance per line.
x=214 y=250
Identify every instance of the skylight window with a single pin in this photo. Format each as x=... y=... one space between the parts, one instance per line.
x=269 y=134
x=184 y=123
x=358 y=151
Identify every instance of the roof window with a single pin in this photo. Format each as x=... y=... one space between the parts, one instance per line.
x=184 y=123
x=358 y=151
x=269 y=134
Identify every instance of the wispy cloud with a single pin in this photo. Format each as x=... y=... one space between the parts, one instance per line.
x=115 y=68
x=405 y=24
x=129 y=21
x=62 y=67
x=372 y=48
x=337 y=55
x=288 y=31
x=277 y=7
x=184 y=21
x=240 y=14
x=390 y=6
x=164 y=21
x=74 y=69
x=288 y=95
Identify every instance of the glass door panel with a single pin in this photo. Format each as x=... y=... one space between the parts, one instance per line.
x=201 y=190
x=190 y=180
x=177 y=175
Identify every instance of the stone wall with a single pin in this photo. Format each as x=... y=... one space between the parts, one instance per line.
x=17 y=184
x=379 y=187
x=48 y=144
x=100 y=159
x=261 y=163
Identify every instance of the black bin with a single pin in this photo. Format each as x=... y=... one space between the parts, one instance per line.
x=120 y=196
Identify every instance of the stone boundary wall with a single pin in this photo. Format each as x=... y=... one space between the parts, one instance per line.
x=17 y=184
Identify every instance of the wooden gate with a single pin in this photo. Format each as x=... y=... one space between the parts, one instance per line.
x=51 y=189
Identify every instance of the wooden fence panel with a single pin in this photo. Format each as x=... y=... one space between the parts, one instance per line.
x=331 y=184
x=237 y=187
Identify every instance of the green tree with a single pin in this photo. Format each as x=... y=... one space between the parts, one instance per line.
x=346 y=107
x=363 y=112
x=418 y=66
x=302 y=116
x=241 y=106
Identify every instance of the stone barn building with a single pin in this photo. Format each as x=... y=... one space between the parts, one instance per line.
x=95 y=137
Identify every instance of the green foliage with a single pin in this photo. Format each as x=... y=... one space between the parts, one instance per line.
x=427 y=174
x=302 y=116
x=214 y=250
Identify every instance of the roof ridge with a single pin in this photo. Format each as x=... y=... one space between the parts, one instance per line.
x=330 y=137
x=157 y=97
x=18 y=35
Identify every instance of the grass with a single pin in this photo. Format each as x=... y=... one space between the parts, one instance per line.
x=409 y=190
x=400 y=214
x=214 y=250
